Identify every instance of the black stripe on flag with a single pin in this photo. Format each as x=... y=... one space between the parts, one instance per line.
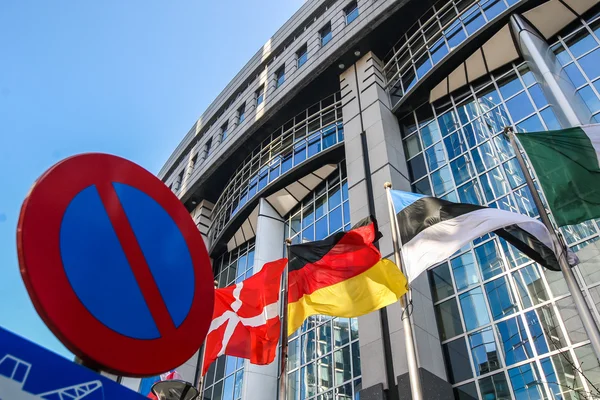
x=429 y=211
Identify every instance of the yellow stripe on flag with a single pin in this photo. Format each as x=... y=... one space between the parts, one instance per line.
x=377 y=287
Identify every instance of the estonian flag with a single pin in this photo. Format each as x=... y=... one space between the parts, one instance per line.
x=341 y=276
x=433 y=229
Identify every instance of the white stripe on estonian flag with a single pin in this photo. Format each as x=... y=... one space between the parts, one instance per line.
x=433 y=229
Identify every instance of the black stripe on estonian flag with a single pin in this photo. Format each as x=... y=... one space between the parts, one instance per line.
x=311 y=252
x=429 y=211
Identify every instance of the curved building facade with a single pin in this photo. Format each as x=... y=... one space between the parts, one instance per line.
x=350 y=94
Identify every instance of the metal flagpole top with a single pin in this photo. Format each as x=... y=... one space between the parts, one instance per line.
x=387 y=185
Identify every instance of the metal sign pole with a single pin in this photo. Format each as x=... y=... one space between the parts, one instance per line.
x=411 y=353
x=284 y=327
x=584 y=312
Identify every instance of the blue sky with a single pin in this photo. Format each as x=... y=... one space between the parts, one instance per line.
x=122 y=77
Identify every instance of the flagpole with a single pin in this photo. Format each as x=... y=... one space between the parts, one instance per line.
x=411 y=353
x=584 y=312
x=284 y=328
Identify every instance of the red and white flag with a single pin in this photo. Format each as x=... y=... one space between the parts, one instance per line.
x=246 y=318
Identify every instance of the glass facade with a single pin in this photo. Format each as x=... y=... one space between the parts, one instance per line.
x=316 y=129
x=444 y=27
x=578 y=53
x=324 y=357
x=225 y=376
x=509 y=328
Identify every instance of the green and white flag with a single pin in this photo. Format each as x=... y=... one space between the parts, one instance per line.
x=568 y=168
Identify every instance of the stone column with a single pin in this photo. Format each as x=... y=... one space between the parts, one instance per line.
x=558 y=88
x=202 y=218
x=371 y=130
x=260 y=381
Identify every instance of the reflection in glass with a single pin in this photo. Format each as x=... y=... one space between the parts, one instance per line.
x=560 y=376
x=545 y=329
x=325 y=375
x=571 y=319
x=474 y=309
x=465 y=271
x=484 y=351
x=342 y=365
x=494 y=387
x=526 y=382
x=589 y=367
x=513 y=338
x=435 y=156
x=308 y=384
x=530 y=286
x=489 y=260
x=466 y=392
x=455 y=145
x=462 y=169
x=442 y=181
x=500 y=298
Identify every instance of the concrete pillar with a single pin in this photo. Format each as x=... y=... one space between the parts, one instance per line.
x=366 y=108
x=202 y=217
x=558 y=88
x=260 y=381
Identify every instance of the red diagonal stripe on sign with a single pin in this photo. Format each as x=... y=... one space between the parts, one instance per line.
x=135 y=257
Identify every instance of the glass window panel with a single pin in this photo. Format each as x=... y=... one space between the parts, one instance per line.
x=441 y=282
x=228 y=388
x=341 y=331
x=466 y=392
x=230 y=365
x=452 y=196
x=323 y=339
x=293 y=385
x=465 y=271
x=514 y=256
x=430 y=134
x=320 y=206
x=473 y=19
x=455 y=145
x=455 y=34
x=519 y=106
x=467 y=110
x=416 y=167
x=470 y=193
x=513 y=340
x=589 y=366
x=489 y=260
x=527 y=75
x=321 y=229
x=324 y=373
x=581 y=42
x=239 y=380
x=293 y=354
x=423 y=65
x=560 y=375
x=484 y=351
x=462 y=170
x=494 y=387
x=422 y=187
x=514 y=173
x=530 y=286
x=493 y=8
x=500 y=298
x=489 y=97
x=589 y=98
x=590 y=64
x=484 y=157
x=438 y=50
x=448 y=319
x=218 y=391
x=456 y=356
x=308 y=346
x=335 y=220
x=509 y=85
x=525 y=202
x=561 y=54
x=448 y=122
x=356 y=359
x=343 y=372
x=474 y=309
x=494 y=184
x=574 y=74
x=556 y=282
x=571 y=319
x=545 y=329
x=539 y=99
x=527 y=382
x=475 y=132
x=308 y=381
x=412 y=146
x=442 y=181
x=435 y=156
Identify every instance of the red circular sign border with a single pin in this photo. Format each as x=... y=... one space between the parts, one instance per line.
x=38 y=246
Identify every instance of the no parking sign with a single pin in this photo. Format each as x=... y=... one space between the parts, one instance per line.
x=115 y=266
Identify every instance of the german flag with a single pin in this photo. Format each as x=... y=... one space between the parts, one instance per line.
x=341 y=276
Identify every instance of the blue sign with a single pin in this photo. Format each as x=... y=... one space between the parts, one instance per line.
x=30 y=372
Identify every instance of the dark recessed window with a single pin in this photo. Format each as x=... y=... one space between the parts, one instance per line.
x=279 y=77
x=351 y=12
x=224 y=131
x=302 y=55
x=193 y=162
x=242 y=113
x=179 y=180
x=326 y=34
x=260 y=95
x=207 y=148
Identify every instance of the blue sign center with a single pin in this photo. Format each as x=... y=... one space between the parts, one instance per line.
x=99 y=272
